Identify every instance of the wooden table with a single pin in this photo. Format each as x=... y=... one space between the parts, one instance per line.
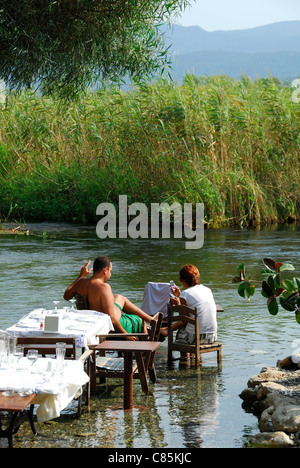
x=128 y=348
x=17 y=405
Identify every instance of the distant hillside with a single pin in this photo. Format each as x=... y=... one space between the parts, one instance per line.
x=271 y=38
x=273 y=49
x=283 y=65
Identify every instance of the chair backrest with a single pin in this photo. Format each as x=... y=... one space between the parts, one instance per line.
x=181 y=309
x=82 y=302
x=155 y=326
x=47 y=345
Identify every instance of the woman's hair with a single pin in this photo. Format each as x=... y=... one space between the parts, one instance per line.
x=100 y=263
x=190 y=274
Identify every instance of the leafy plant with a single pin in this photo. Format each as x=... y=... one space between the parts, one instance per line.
x=277 y=290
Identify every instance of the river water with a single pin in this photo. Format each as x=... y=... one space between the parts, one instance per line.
x=189 y=407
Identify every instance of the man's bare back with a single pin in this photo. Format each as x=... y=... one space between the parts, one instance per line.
x=100 y=295
x=94 y=289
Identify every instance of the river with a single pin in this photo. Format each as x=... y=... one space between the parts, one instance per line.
x=189 y=407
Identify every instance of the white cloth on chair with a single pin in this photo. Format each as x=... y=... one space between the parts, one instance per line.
x=156 y=298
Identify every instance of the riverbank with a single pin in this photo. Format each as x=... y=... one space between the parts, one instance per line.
x=230 y=144
x=274 y=396
x=13 y=231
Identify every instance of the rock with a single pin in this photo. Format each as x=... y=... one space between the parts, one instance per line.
x=272 y=440
x=249 y=396
x=286 y=418
x=277 y=403
x=276 y=400
x=269 y=387
x=265 y=422
x=268 y=375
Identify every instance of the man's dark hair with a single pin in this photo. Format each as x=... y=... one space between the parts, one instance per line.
x=100 y=263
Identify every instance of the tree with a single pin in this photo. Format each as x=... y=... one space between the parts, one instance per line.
x=68 y=45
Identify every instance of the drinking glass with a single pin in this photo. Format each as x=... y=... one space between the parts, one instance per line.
x=32 y=355
x=73 y=302
x=10 y=391
x=55 y=303
x=25 y=388
x=11 y=344
x=3 y=349
x=19 y=352
x=60 y=356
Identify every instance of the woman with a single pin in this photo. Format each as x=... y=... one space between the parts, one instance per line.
x=194 y=295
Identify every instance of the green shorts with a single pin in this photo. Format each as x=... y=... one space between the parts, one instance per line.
x=131 y=323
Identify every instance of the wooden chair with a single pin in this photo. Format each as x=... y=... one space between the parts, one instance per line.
x=82 y=302
x=196 y=349
x=113 y=367
x=46 y=346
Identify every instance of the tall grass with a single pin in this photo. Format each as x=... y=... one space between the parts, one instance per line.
x=231 y=144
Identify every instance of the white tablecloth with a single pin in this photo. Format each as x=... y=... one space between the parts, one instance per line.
x=83 y=325
x=54 y=391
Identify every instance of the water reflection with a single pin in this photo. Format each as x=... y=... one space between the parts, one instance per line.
x=190 y=407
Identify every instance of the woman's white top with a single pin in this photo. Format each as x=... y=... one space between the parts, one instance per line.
x=201 y=296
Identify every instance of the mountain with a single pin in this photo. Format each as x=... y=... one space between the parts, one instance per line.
x=273 y=49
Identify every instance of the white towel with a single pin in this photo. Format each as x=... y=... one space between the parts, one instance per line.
x=156 y=298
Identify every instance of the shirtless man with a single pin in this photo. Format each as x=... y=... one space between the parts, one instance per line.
x=100 y=295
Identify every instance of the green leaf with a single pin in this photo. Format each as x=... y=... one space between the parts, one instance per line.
x=266 y=290
x=271 y=283
x=297 y=314
x=286 y=305
x=277 y=281
x=250 y=290
x=287 y=267
x=288 y=285
x=241 y=289
x=273 y=306
x=296 y=282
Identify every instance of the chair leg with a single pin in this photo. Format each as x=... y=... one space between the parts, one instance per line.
x=170 y=357
x=152 y=374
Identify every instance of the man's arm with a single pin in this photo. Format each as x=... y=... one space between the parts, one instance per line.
x=71 y=290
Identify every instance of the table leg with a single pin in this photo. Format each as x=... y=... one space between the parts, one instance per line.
x=128 y=381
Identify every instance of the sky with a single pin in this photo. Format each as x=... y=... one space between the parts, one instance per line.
x=213 y=15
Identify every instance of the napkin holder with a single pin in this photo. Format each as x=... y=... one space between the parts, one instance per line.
x=52 y=323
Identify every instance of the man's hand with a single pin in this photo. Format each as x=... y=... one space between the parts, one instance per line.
x=85 y=271
x=131 y=338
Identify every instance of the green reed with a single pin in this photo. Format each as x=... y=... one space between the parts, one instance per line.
x=231 y=144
